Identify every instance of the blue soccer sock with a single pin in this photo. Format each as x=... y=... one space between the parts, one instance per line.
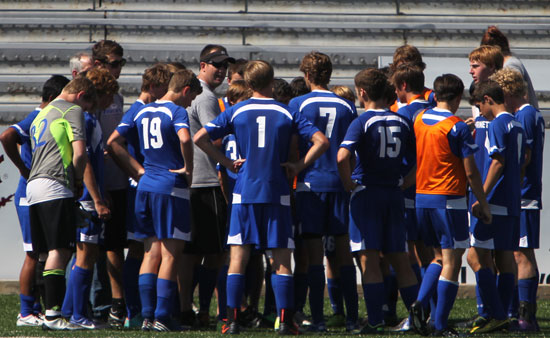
x=27 y=303
x=409 y=295
x=335 y=295
x=416 y=269
x=506 y=284
x=235 y=290
x=533 y=288
x=37 y=307
x=513 y=308
x=283 y=288
x=429 y=284
x=348 y=284
x=489 y=293
x=67 y=306
x=148 y=294
x=207 y=282
x=269 y=304
x=525 y=289
x=374 y=294
x=166 y=292
x=81 y=284
x=316 y=281
x=446 y=294
x=222 y=292
x=130 y=276
x=390 y=286
x=300 y=289
x=481 y=309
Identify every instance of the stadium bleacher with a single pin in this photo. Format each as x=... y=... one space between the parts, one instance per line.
x=37 y=38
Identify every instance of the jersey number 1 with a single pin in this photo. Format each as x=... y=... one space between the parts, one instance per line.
x=260 y=120
x=151 y=133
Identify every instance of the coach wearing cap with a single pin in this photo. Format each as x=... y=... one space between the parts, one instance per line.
x=208 y=206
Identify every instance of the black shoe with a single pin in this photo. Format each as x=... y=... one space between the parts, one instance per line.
x=477 y=320
x=447 y=332
x=287 y=326
x=418 y=319
x=188 y=319
x=232 y=325
x=116 y=319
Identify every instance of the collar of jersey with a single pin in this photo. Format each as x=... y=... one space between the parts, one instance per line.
x=320 y=91
x=525 y=105
x=441 y=110
x=503 y=113
x=162 y=101
x=262 y=98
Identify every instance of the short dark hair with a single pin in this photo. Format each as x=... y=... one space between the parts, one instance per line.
x=448 y=87
x=411 y=75
x=53 y=87
x=407 y=54
x=318 y=66
x=105 y=47
x=374 y=82
x=210 y=49
x=494 y=37
x=489 y=88
x=156 y=76
x=236 y=68
x=183 y=78
x=282 y=91
x=299 y=86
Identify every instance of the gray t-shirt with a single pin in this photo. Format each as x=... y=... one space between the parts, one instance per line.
x=516 y=64
x=204 y=109
x=115 y=178
x=52 y=132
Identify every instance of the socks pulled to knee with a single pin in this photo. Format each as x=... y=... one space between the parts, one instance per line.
x=54 y=282
x=300 y=289
x=506 y=284
x=374 y=294
x=130 y=276
x=489 y=293
x=316 y=281
x=81 y=280
x=235 y=290
x=222 y=292
x=335 y=295
x=348 y=283
x=429 y=284
x=390 y=285
x=446 y=295
x=166 y=293
x=409 y=294
x=148 y=293
x=207 y=282
x=283 y=289
x=416 y=269
x=27 y=303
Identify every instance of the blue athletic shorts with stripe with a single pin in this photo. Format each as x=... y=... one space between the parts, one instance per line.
x=162 y=216
x=22 y=208
x=376 y=219
x=131 y=220
x=92 y=232
x=411 y=225
x=501 y=234
x=323 y=213
x=265 y=226
x=529 y=228
x=445 y=228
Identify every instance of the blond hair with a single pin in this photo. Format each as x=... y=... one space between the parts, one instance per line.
x=511 y=82
x=344 y=91
x=258 y=75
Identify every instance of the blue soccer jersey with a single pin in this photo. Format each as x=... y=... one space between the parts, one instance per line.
x=94 y=150
x=131 y=134
x=380 y=139
x=332 y=115
x=157 y=125
x=506 y=138
x=263 y=129
x=533 y=126
x=229 y=145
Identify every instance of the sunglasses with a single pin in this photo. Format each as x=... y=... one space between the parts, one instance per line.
x=116 y=63
x=218 y=64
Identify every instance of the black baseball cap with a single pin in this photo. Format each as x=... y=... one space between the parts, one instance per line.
x=218 y=56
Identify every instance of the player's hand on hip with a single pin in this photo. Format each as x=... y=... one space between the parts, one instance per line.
x=237 y=164
x=103 y=212
x=292 y=169
x=183 y=171
x=482 y=212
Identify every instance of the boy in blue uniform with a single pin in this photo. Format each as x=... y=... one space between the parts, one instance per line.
x=321 y=201
x=505 y=160
x=162 y=200
x=515 y=89
x=260 y=214
x=10 y=138
x=378 y=140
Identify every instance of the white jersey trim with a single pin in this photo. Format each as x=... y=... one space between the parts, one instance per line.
x=255 y=106
x=180 y=193
x=457 y=204
x=164 y=110
x=476 y=243
x=324 y=99
x=530 y=204
x=375 y=119
x=498 y=210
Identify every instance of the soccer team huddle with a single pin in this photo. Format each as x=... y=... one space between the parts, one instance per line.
x=203 y=191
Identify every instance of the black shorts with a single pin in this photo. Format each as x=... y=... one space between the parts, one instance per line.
x=115 y=227
x=53 y=225
x=208 y=221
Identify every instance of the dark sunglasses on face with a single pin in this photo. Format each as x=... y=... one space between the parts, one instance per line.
x=116 y=63
x=218 y=64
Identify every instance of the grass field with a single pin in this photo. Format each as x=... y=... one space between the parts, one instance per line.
x=463 y=310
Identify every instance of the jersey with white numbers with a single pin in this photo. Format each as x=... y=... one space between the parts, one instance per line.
x=380 y=139
x=332 y=115
x=263 y=129
x=132 y=139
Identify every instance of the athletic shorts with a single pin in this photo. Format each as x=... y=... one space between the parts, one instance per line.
x=376 y=219
x=445 y=228
x=87 y=230
x=411 y=225
x=131 y=221
x=115 y=227
x=529 y=228
x=501 y=234
x=322 y=213
x=22 y=208
x=162 y=216
x=53 y=224
x=265 y=226
x=208 y=221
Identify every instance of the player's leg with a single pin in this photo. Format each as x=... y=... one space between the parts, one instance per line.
x=147 y=282
x=239 y=256
x=80 y=281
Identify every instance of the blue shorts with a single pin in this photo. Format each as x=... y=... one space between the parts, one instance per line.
x=376 y=219
x=411 y=225
x=445 y=228
x=502 y=234
x=92 y=232
x=265 y=226
x=162 y=216
x=22 y=208
x=131 y=220
x=529 y=228
x=322 y=213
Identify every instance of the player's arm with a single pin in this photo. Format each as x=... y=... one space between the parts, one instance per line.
x=117 y=150
x=495 y=171
x=186 y=146
x=203 y=141
x=80 y=158
x=222 y=177
x=91 y=184
x=481 y=208
x=320 y=145
x=9 y=139
x=344 y=159
x=410 y=179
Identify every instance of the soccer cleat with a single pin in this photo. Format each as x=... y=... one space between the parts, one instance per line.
x=404 y=326
x=277 y=324
x=147 y=325
x=133 y=323
x=477 y=320
x=418 y=319
x=447 y=332
x=336 y=320
x=491 y=326
x=29 y=320
x=188 y=319
x=351 y=326
x=301 y=319
x=368 y=329
x=86 y=324
x=231 y=326
x=287 y=326
x=525 y=325
x=116 y=319
x=57 y=324
x=317 y=328
x=204 y=319
x=166 y=326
